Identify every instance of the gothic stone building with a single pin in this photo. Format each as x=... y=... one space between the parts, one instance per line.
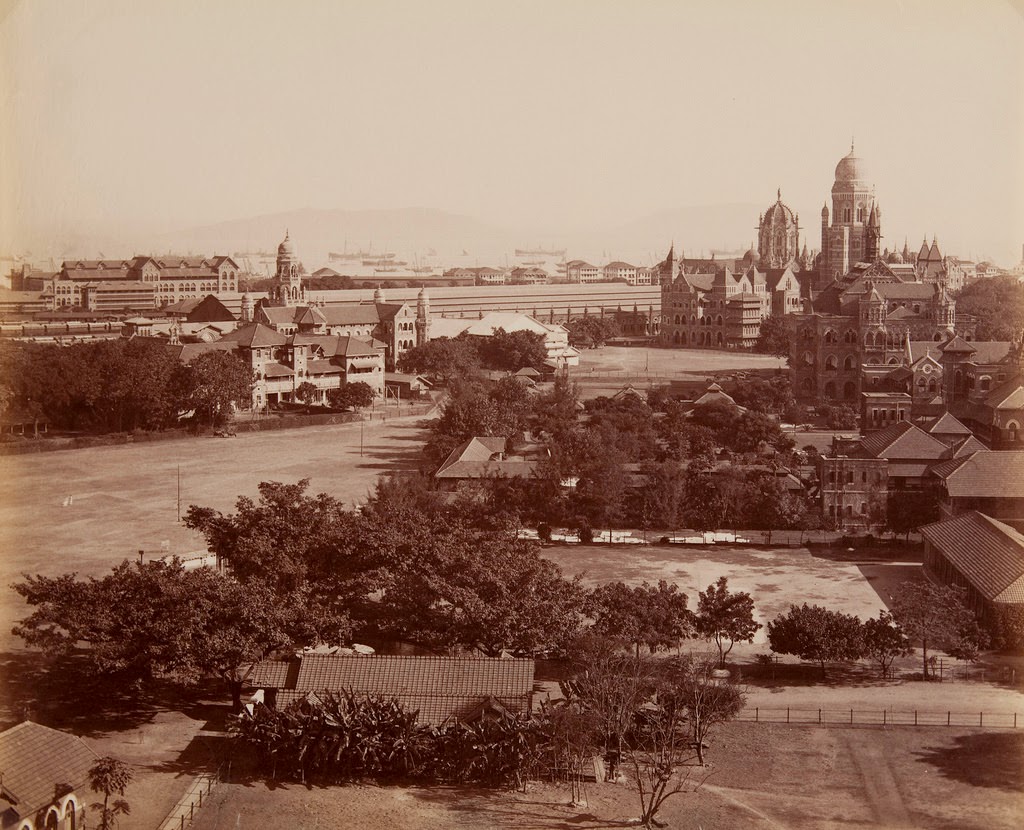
x=864 y=320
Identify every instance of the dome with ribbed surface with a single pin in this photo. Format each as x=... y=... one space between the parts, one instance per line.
x=851 y=170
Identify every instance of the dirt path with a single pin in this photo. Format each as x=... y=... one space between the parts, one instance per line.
x=879 y=782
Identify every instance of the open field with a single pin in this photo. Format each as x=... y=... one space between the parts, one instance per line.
x=670 y=362
x=775 y=578
x=124 y=498
x=762 y=776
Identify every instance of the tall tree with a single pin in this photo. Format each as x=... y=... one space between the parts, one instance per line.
x=156 y=619
x=812 y=632
x=774 y=336
x=884 y=641
x=212 y=385
x=725 y=616
x=709 y=700
x=655 y=616
x=936 y=616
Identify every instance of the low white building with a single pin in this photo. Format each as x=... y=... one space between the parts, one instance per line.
x=556 y=336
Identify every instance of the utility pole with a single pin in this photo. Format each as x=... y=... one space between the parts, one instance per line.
x=179 y=494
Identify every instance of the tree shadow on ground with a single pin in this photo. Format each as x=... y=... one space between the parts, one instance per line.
x=204 y=753
x=785 y=675
x=65 y=693
x=504 y=809
x=984 y=759
x=390 y=457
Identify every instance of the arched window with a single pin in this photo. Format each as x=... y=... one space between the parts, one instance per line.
x=808 y=359
x=932 y=386
x=850 y=362
x=831 y=363
x=718 y=320
x=830 y=390
x=807 y=386
x=682 y=338
x=830 y=336
x=849 y=390
x=1013 y=431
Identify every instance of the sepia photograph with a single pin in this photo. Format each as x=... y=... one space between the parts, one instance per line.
x=507 y=415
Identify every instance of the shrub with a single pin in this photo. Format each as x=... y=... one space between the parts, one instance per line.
x=544 y=532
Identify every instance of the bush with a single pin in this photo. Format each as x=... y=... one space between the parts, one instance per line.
x=544 y=532
x=586 y=534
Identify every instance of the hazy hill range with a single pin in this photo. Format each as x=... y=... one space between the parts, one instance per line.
x=411 y=231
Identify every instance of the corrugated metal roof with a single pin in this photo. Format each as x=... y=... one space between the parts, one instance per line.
x=35 y=759
x=988 y=553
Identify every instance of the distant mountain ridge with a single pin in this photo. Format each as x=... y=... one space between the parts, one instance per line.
x=315 y=232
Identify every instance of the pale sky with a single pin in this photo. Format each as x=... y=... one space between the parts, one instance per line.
x=151 y=116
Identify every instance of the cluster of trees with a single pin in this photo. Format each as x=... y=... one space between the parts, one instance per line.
x=924 y=615
x=648 y=465
x=591 y=332
x=305 y=570
x=446 y=359
x=649 y=717
x=997 y=303
x=120 y=385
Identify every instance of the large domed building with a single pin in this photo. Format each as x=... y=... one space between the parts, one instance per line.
x=778 y=235
x=853 y=230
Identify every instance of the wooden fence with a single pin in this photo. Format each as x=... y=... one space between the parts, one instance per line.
x=880 y=717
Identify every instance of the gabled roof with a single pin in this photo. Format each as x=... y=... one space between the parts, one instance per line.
x=1009 y=395
x=903 y=441
x=350 y=314
x=985 y=474
x=901 y=313
x=34 y=759
x=946 y=424
x=990 y=351
x=439 y=688
x=967 y=446
x=988 y=553
x=479 y=457
x=255 y=335
x=957 y=346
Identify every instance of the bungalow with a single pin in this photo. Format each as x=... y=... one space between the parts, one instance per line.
x=44 y=777
x=989 y=481
x=439 y=689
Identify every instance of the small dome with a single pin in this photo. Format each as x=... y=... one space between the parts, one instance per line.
x=286 y=248
x=751 y=256
x=779 y=214
x=851 y=169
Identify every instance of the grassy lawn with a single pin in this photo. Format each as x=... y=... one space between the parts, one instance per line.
x=762 y=776
x=124 y=498
x=671 y=361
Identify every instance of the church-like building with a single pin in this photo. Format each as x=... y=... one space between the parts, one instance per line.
x=397 y=327
x=710 y=304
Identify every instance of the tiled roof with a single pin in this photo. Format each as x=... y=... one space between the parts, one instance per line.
x=475 y=458
x=1009 y=395
x=34 y=759
x=390 y=674
x=967 y=446
x=988 y=553
x=946 y=424
x=278 y=370
x=279 y=314
x=352 y=314
x=924 y=348
x=957 y=346
x=439 y=688
x=275 y=674
x=985 y=474
x=901 y=441
x=322 y=367
x=255 y=335
x=990 y=351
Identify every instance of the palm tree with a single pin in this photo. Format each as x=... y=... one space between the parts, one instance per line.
x=108 y=776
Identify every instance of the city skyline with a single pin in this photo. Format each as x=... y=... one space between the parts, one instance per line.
x=551 y=119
